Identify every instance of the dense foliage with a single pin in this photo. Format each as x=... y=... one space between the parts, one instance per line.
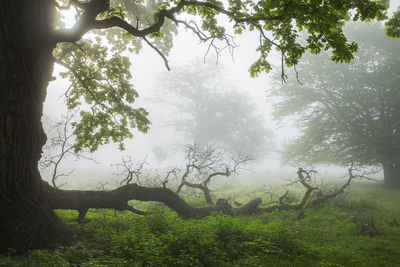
x=102 y=82
x=393 y=25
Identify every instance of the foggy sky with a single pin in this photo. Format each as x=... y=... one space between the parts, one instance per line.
x=146 y=67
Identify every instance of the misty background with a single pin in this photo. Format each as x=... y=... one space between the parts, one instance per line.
x=149 y=79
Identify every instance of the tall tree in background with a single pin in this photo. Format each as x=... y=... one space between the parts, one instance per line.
x=207 y=111
x=31 y=41
x=348 y=112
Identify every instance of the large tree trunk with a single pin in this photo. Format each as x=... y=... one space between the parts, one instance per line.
x=391 y=174
x=26 y=65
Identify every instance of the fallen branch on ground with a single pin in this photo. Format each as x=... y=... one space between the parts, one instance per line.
x=118 y=199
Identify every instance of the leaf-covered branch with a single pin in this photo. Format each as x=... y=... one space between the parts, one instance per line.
x=103 y=82
x=91 y=10
x=322 y=19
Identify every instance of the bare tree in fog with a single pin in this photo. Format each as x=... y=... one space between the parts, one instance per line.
x=209 y=111
x=60 y=147
x=203 y=164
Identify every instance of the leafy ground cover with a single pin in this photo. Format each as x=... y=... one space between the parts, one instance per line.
x=361 y=228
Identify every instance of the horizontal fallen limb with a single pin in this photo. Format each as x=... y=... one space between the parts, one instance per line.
x=118 y=199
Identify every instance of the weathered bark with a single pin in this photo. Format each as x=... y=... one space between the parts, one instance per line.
x=391 y=174
x=26 y=63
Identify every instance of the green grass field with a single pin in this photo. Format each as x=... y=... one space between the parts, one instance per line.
x=361 y=228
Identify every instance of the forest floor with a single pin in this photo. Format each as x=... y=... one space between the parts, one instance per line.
x=360 y=228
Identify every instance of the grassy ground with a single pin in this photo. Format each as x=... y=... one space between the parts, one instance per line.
x=362 y=228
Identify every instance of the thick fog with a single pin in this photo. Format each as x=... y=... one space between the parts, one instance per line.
x=148 y=70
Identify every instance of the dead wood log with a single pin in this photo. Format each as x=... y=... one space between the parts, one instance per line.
x=249 y=208
x=223 y=206
x=118 y=199
x=304 y=177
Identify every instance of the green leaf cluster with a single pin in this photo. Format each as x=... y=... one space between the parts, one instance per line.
x=393 y=25
x=322 y=21
x=100 y=85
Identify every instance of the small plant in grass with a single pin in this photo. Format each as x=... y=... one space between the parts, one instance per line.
x=366 y=226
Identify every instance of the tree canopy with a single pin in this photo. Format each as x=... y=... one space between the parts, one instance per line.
x=100 y=74
x=347 y=112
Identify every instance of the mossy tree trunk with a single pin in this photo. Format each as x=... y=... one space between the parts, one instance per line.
x=26 y=65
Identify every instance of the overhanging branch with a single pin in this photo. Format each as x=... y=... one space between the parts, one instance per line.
x=88 y=21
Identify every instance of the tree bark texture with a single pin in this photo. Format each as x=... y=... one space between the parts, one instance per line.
x=26 y=65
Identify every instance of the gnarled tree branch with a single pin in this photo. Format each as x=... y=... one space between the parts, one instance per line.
x=118 y=199
x=202 y=165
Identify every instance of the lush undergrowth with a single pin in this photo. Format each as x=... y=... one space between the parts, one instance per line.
x=361 y=228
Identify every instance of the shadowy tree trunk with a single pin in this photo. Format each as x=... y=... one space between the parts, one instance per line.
x=26 y=63
x=391 y=174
